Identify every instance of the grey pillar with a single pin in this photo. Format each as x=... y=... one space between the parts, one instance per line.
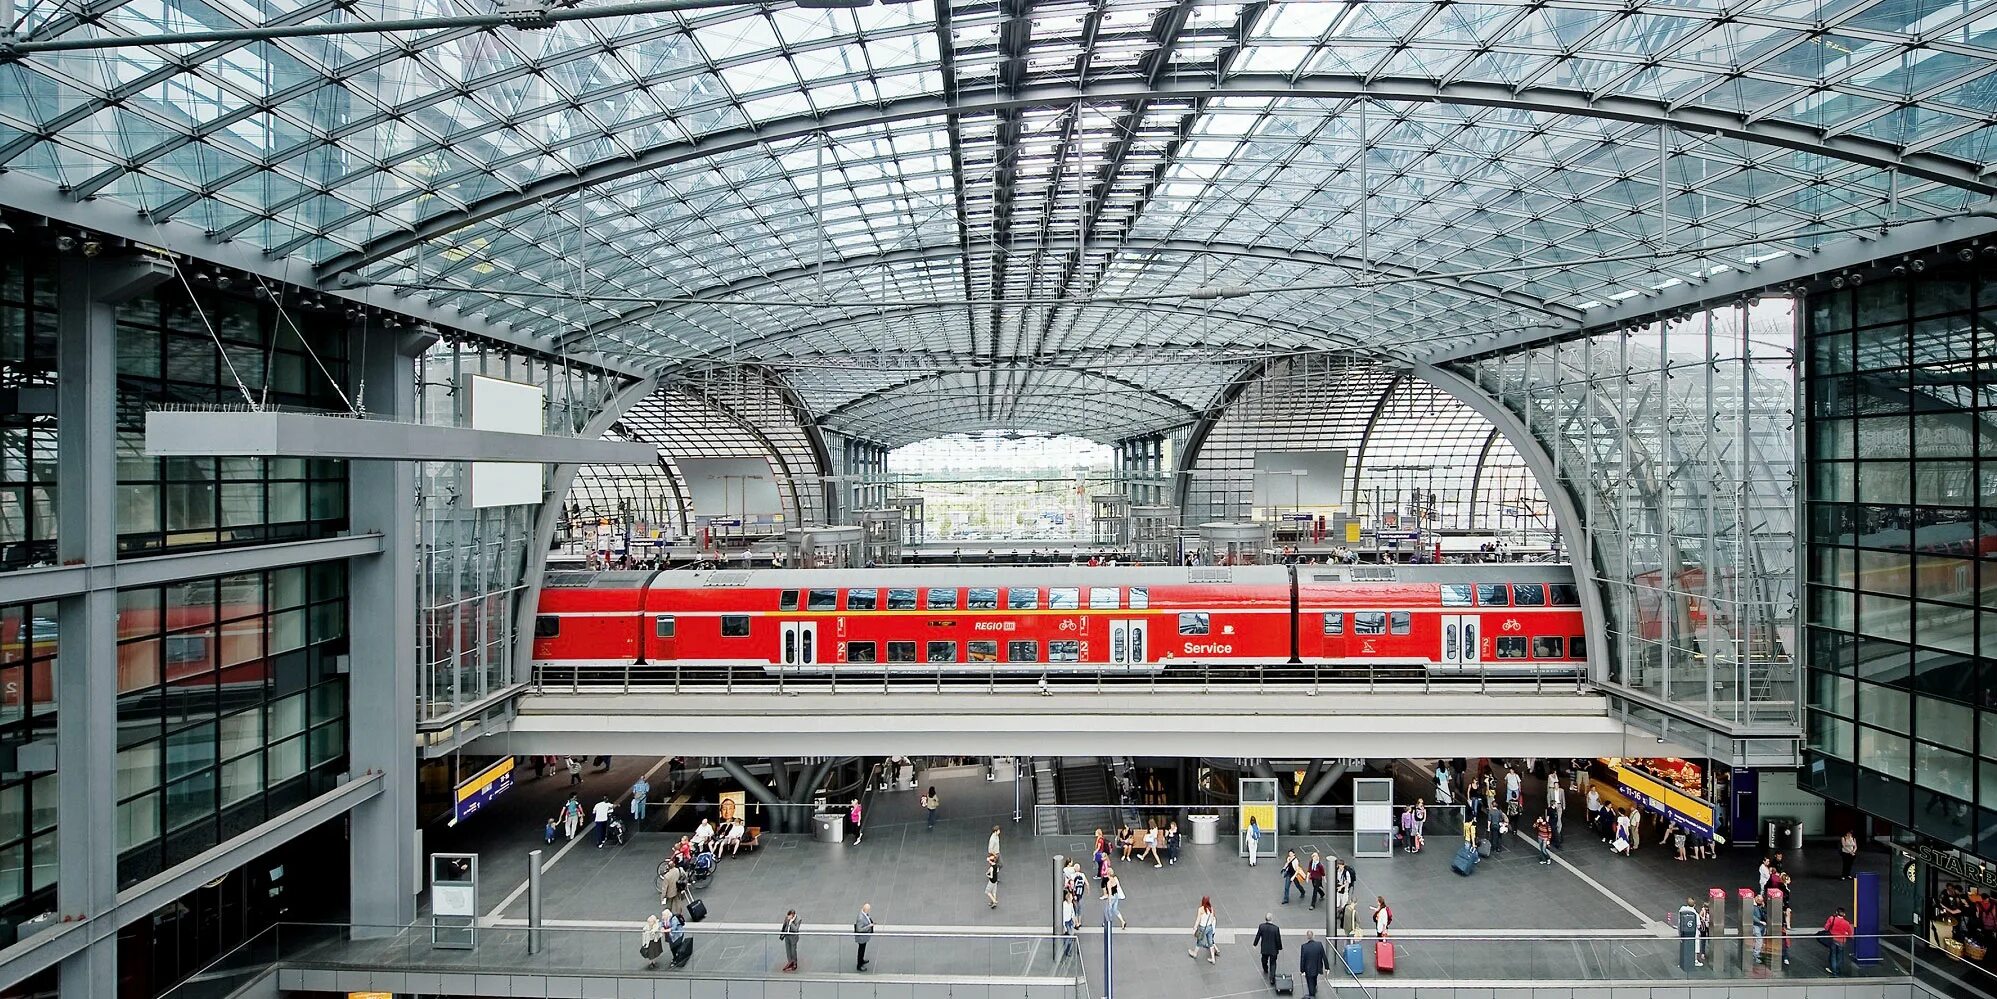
x=86 y=686
x=382 y=682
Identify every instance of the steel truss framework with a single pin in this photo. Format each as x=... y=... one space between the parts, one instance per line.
x=948 y=215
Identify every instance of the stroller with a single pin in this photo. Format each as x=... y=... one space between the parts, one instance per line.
x=701 y=871
x=617 y=831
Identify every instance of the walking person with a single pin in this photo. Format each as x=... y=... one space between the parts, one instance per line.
x=548 y=833
x=853 y=819
x=1172 y=842
x=640 y=790
x=1076 y=884
x=1152 y=836
x=1839 y=929
x=788 y=934
x=1070 y=922
x=602 y=812
x=992 y=842
x=929 y=805
x=1595 y=814
x=672 y=889
x=863 y=929
x=991 y=879
x=1311 y=962
x=1253 y=837
x=1269 y=937
x=1293 y=876
x=1113 y=898
x=1343 y=878
x=1704 y=935
x=1204 y=926
x=571 y=817
x=1556 y=807
x=574 y=767
x=1543 y=835
x=1419 y=832
x=1317 y=875
x=1847 y=853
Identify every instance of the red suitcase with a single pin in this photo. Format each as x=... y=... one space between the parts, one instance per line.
x=1383 y=957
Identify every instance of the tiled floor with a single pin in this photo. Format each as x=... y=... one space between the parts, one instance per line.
x=1509 y=921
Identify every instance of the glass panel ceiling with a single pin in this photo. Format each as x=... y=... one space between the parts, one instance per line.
x=1018 y=192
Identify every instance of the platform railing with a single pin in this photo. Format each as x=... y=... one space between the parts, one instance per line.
x=995 y=960
x=1179 y=676
x=1444 y=828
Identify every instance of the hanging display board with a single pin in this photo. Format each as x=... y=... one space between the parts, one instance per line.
x=1372 y=817
x=1258 y=802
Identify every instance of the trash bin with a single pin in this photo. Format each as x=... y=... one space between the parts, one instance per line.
x=1794 y=835
x=1770 y=834
x=830 y=828
x=1783 y=832
x=1206 y=829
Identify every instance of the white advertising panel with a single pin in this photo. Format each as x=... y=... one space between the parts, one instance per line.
x=1300 y=479
x=507 y=407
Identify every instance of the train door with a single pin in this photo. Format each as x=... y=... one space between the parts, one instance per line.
x=1460 y=640
x=1129 y=643
x=1331 y=625
x=800 y=643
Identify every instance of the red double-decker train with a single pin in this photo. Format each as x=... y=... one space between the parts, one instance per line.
x=1512 y=619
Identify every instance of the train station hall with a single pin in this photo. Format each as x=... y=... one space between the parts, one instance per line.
x=998 y=499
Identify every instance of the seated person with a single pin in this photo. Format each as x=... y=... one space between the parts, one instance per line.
x=703 y=833
x=731 y=838
x=683 y=851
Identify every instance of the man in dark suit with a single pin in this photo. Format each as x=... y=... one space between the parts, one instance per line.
x=1311 y=960
x=1270 y=939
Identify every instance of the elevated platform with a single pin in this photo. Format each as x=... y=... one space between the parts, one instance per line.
x=1280 y=722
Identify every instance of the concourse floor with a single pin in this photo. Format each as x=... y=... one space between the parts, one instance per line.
x=1507 y=922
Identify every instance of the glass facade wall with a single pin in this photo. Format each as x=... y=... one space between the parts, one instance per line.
x=232 y=707
x=1676 y=440
x=473 y=560
x=1400 y=434
x=28 y=640
x=225 y=349
x=1902 y=560
x=27 y=434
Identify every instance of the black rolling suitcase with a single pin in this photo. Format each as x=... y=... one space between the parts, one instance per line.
x=696 y=910
x=1286 y=985
x=682 y=951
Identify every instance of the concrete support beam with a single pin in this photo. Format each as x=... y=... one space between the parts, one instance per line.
x=57 y=582
x=314 y=435
x=381 y=688
x=86 y=533
x=977 y=723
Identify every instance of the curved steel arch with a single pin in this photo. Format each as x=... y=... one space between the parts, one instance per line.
x=1557 y=100
x=919 y=254
x=888 y=390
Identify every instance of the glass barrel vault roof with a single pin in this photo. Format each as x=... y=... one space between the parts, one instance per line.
x=1082 y=216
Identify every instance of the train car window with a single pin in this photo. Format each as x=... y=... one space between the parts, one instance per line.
x=1493 y=595
x=1563 y=594
x=734 y=625
x=547 y=626
x=1140 y=597
x=1528 y=595
x=902 y=652
x=1023 y=598
x=1334 y=622
x=1549 y=647
x=982 y=652
x=1022 y=652
x=787 y=600
x=862 y=599
x=822 y=600
x=1511 y=647
x=662 y=626
x=1577 y=647
x=1400 y=622
x=1369 y=622
x=1195 y=624
x=981 y=598
x=1104 y=598
x=1457 y=595
x=942 y=599
x=1064 y=598
x=943 y=652
x=901 y=600
x=1064 y=652
x=861 y=652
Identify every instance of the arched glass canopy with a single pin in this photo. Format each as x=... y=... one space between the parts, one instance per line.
x=1075 y=216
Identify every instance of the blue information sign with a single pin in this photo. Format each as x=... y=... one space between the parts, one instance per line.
x=479 y=791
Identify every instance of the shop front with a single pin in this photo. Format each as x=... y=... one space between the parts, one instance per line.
x=1947 y=896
